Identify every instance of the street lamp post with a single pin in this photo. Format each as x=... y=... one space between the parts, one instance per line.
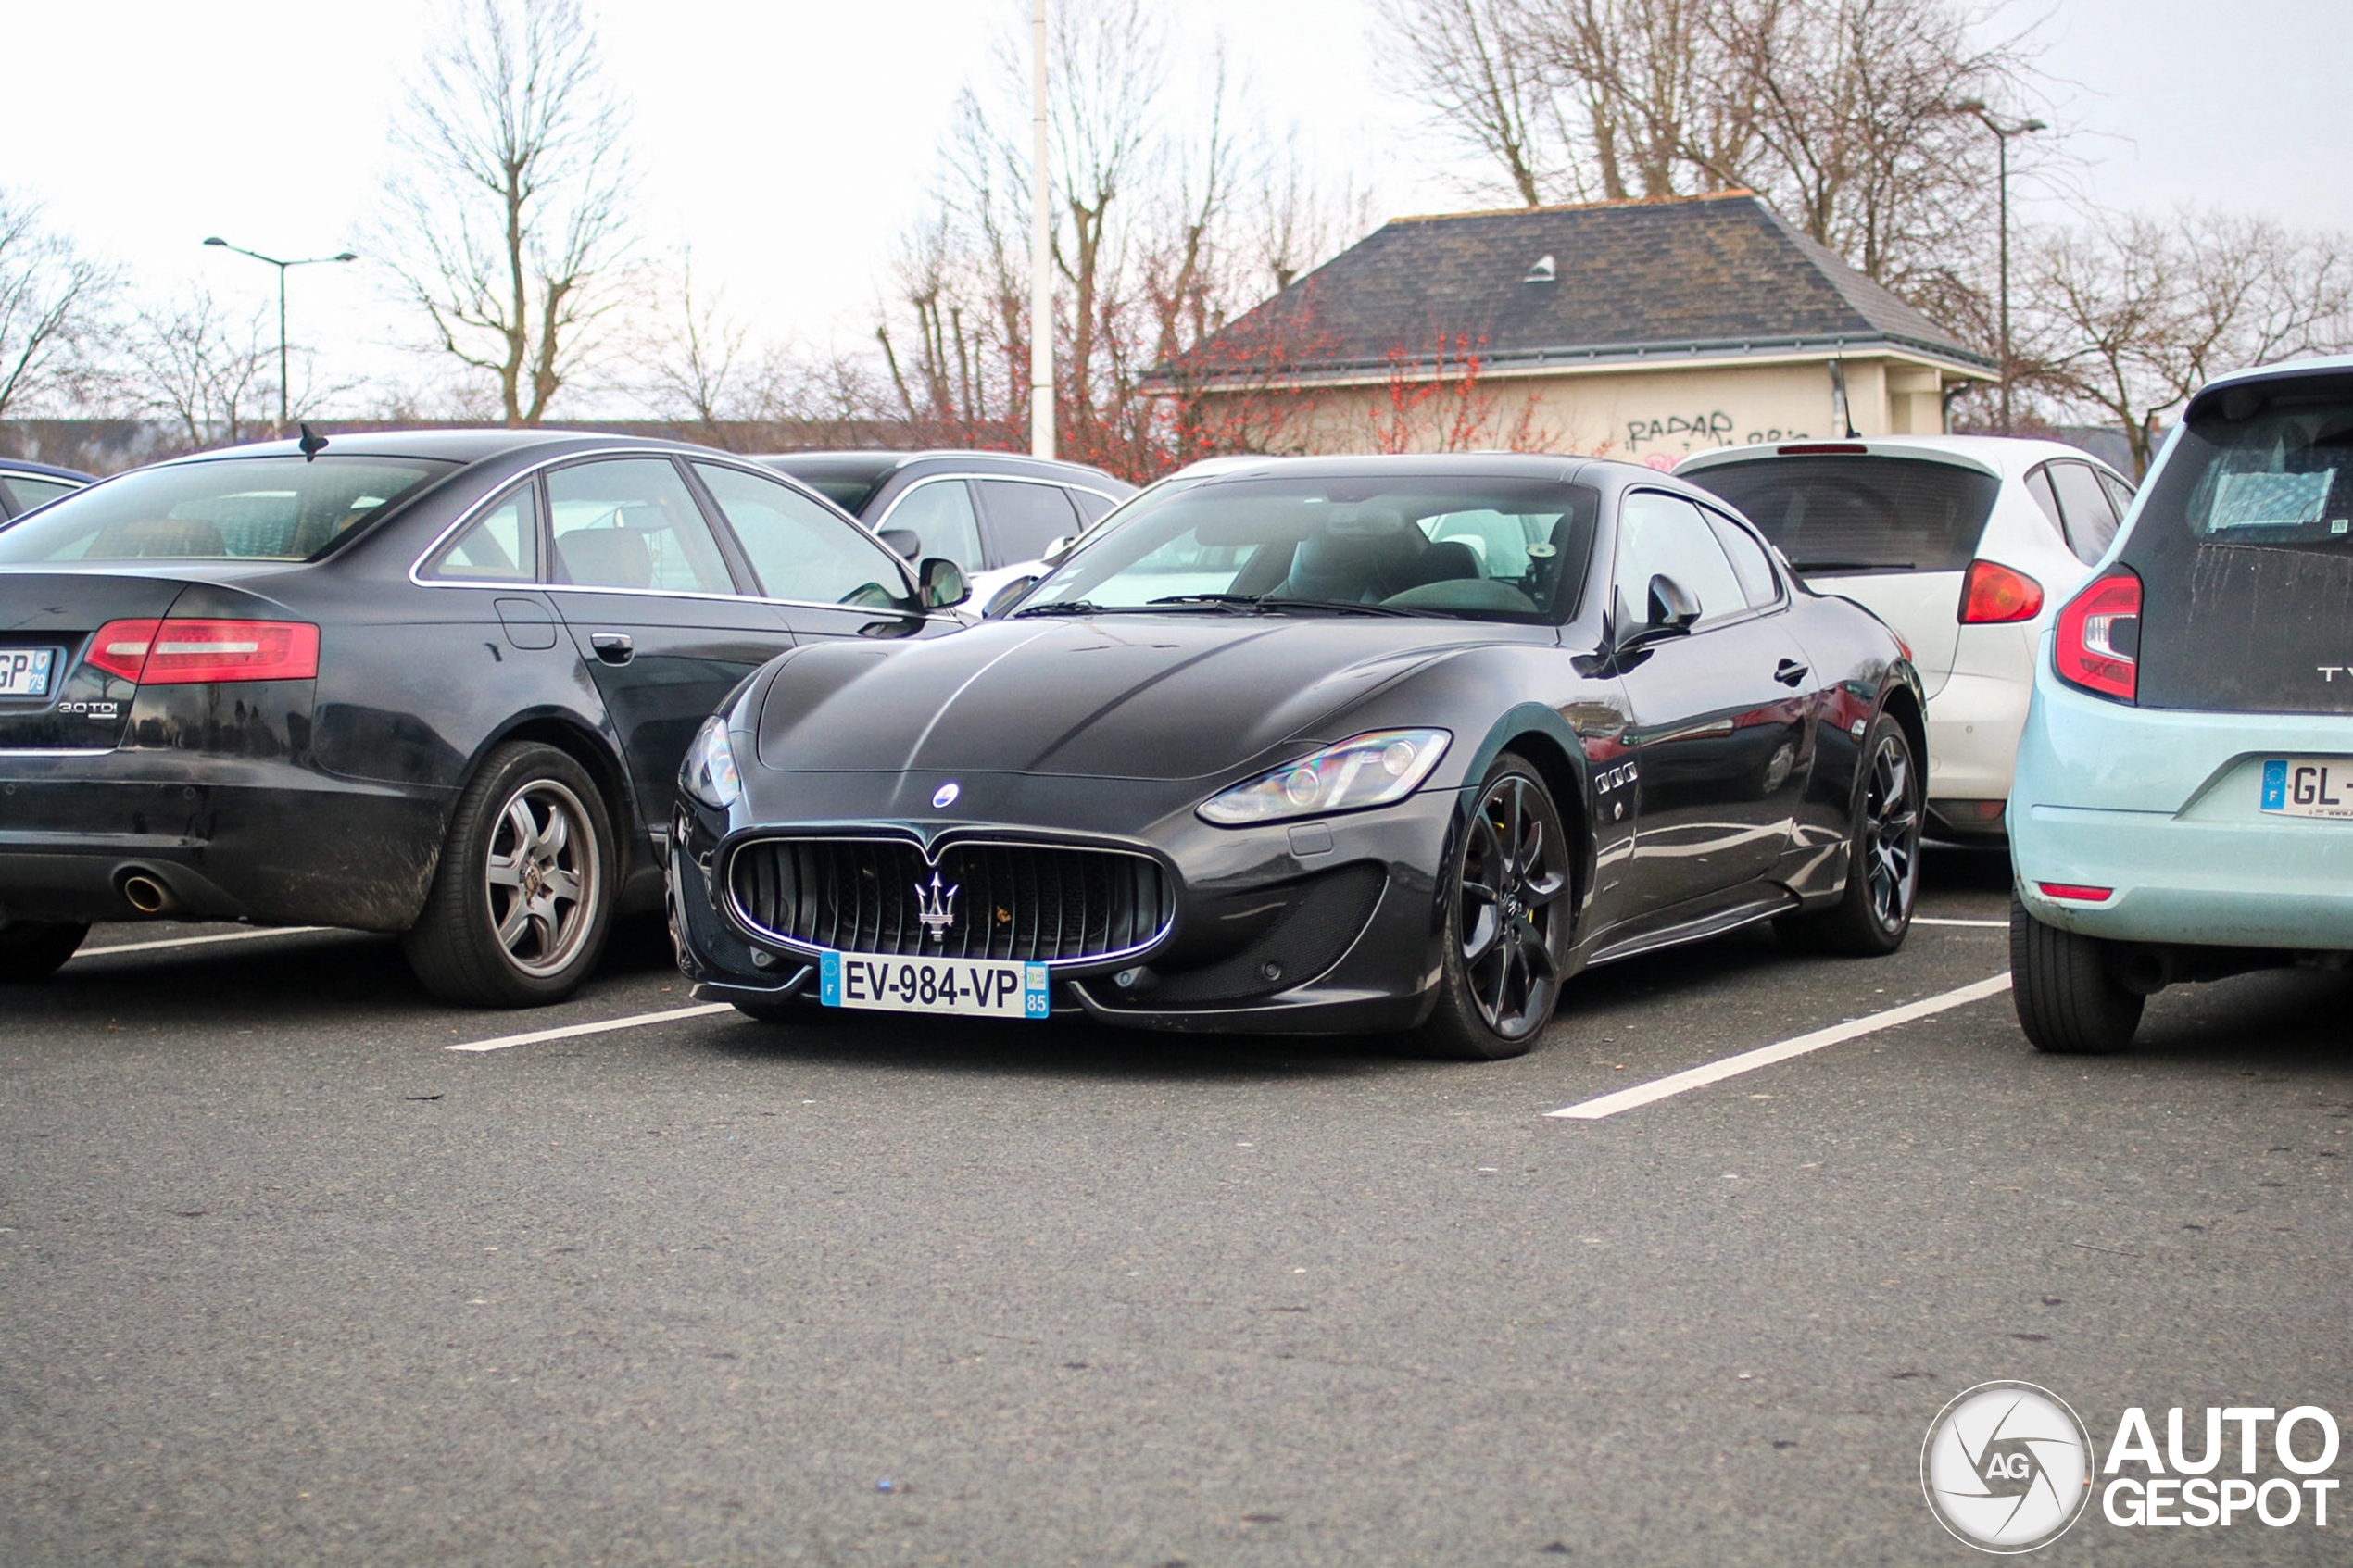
x=2002 y=134
x=281 y=266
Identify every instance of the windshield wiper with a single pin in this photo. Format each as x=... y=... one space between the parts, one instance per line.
x=1852 y=566
x=1067 y=607
x=1262 y=603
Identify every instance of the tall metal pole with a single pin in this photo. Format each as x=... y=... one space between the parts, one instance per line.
x=2003 y=143
x=282 y=348
x=1041 y=253
x=285 y=413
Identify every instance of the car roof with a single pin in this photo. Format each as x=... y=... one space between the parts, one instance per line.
x=46 y=471
x=873 y=466
x=453 y=445
x=2005 y=456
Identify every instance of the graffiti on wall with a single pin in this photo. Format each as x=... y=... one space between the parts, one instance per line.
x=1696 y=431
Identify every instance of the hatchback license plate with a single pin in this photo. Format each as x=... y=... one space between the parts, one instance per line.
x=969 y=987
x=25 y=672
x=2309 y=786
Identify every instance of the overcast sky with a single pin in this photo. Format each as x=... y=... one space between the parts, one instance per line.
x=790 y=140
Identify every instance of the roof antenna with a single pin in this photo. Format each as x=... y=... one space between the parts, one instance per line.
x=312 y=443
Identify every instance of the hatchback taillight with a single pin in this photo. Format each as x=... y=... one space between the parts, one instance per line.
x=1993 y=595
x=2096 y=645
x=186 y=652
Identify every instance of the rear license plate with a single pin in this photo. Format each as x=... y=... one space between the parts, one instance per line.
x=25 y=672
x=2309 y=786
x=969 y=987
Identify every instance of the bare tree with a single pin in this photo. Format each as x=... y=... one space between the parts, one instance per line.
x=2130 y=315
x=209 y=371
x=50 y=299
x=1468 y=62
x=511 y=206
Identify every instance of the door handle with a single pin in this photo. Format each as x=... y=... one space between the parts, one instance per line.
x=1790 y=673
x=613 y=647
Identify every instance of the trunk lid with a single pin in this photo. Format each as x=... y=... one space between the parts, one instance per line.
x=54 y=613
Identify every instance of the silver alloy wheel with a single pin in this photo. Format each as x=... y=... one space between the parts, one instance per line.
x=543 y=876
x=1892 y=834
x=1514 y=875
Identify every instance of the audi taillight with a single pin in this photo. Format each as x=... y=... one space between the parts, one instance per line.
x=2096 y=645
x=1993 y=595
x=186 y=652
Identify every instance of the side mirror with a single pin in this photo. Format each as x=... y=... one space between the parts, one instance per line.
x=1004 y=599
x=1672 y=613
x=906 y=541
x=1058 y=548
x=943 y=583
x=1671 y=609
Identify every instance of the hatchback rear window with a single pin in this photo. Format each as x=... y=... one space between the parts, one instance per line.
x=2280 y=477
x=1832 y=514
x=232 y=508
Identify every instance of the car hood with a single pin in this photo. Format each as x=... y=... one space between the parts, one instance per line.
x=1158 y=697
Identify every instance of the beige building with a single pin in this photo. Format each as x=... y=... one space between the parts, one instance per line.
x=1646 y=330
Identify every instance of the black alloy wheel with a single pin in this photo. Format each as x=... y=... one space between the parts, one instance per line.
x=33 y=950
x=1507 y=921
x=1872 y=917
x=522 y=900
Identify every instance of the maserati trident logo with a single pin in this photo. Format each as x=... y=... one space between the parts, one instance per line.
x=945 y=795
x=936 y=907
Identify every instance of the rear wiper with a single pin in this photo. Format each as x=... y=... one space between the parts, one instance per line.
x=1852 y=566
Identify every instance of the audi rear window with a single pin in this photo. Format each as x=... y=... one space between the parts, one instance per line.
x=1832 y=514
x=232 y=509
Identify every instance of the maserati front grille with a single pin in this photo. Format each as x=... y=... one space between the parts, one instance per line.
x=1035 y=903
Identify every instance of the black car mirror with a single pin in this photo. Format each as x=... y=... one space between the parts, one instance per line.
x=943 y=583
x=1007 y=596
x=906 y=541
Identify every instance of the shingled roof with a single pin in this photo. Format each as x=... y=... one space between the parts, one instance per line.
x=1679 y=278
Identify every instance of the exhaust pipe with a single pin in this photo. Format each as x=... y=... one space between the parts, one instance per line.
x=146 y=895
x=2147 y=970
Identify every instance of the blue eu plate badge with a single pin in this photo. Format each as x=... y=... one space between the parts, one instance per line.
x=2274 y=785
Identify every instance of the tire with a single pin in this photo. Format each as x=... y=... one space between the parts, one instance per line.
x=2069 y=999
x=30 y=952
x=523 y=900
x=1507 y=918
x=1872 y=917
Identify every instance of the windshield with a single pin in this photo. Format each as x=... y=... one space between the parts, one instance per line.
x=1487 y=549
x=1831 y=514
x=232 y=508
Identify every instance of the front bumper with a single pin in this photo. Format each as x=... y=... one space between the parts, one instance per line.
x=231 y=838
x=1323 y=927
x=2161 y=805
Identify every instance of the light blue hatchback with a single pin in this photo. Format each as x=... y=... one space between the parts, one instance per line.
x=2183 y=800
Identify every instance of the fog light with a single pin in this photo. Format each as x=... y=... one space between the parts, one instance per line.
x=762 y=961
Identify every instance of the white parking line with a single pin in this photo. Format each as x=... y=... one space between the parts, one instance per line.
x=201 y=941
x=574 y=1031
x=1991 y=924
x=1765 y=1056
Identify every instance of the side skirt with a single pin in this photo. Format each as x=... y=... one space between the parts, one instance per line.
x=1757 y=904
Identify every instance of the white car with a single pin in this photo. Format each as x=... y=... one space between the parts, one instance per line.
x=1966 y=545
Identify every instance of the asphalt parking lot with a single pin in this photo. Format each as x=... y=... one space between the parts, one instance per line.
x=283 y=1279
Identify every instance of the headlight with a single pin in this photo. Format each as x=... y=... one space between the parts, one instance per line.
x=709 y=773
x=1368 y=770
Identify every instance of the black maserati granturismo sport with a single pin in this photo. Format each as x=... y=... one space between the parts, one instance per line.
x=1320 y=745
x=430 y=683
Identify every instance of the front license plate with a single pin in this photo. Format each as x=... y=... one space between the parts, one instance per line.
x=972 y=987
x=2309 y=786
x=25 y=672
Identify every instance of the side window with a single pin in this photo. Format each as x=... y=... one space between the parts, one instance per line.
x=1025 y=518
x=29 y=492
x=2083 y=504
x=801 y=550
x=2119 y=494
x=2038 y=484
x=502 y=545
x=631 y=522
x=939 y=512
x=1750 y=563
x=1092 y=508
x=1663 y=536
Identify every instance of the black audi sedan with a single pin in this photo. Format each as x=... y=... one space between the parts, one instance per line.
x=430 y=683
x=1325 y=745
